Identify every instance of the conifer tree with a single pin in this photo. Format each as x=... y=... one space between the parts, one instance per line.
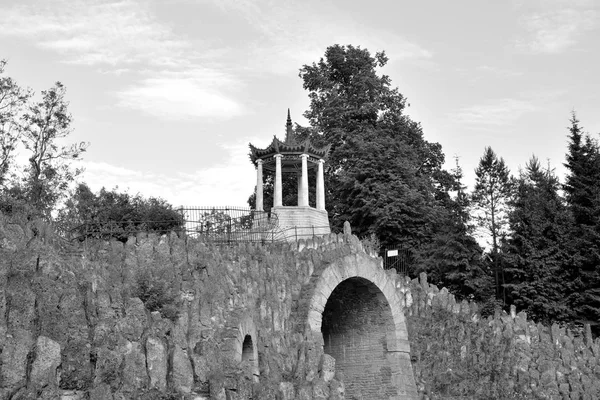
x=490 y=197
x=582 y=188
x=536 y=250
x=453 y=258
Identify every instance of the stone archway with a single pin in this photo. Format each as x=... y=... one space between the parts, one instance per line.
x=355 y=309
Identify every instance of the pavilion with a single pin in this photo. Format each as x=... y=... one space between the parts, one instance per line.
x=293 y=157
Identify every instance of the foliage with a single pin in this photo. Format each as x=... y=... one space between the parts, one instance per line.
x=536 y=251
x=371 y=244
x=582 y=189
x=219 y=222
x=382 y=175
x=12 y=100
x=110 y=213
x=453 y=258
x=43 y=125
x=156 y=294
x=490 y=198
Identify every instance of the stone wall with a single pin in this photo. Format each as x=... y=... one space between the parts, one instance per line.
x=505 y=356
x=211 y=322
x=302 y=222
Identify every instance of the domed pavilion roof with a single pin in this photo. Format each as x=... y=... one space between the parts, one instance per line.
x=290 y=149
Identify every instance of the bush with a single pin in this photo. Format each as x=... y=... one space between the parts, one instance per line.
x=111 y=214
x=157 y=295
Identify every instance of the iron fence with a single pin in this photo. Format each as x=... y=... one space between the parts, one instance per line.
x=398 y=258
x=220 y=225
x=229 y=224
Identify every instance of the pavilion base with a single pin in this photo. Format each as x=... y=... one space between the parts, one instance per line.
x=298 y=222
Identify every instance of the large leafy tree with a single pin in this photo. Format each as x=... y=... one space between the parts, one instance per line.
x=582 y=189
x=489 y=199
x=44 y=124
x=12 y=100
x=537 y=249
x=382 y=175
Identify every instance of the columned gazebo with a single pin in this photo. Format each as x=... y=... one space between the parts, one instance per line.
x=298 y=158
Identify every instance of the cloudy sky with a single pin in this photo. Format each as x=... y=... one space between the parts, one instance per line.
x=170 y=92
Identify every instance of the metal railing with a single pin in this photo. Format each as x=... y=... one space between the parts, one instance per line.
x=219 y=225
x=229 y=224
x=294 y=233
x=398 y=258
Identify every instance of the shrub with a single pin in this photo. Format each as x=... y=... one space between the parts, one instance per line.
x=156 y=294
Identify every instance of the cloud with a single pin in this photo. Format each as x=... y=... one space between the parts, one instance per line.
x=227 y=184
x=505 y=73
x=190 y=94
x=95 y=32
x=289 y=34
x=495 y=113
x=557 y=30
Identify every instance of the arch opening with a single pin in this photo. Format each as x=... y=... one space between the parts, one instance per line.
x=356 y=325
x=247 y=349
x=250 y=357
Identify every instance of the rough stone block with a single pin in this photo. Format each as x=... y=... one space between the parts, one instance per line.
x=14 y=358
x=101 y=392
x=336 y=390
x=286 y=391
x=320 y=389
x=327 y=367
x=183 y=377
x=156 y=360
x=47 y=360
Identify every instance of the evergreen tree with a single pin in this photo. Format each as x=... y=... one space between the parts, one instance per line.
x=490 y=196
x=582 y=188
x=453 y=258
x=536 y=251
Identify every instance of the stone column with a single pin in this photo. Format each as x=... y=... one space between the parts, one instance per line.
x=299 y=180
x=320 y=186
x=277 y=198
x=259 y=185
x=303 y=196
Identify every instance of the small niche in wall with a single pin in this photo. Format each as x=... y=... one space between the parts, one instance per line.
x=250 y=356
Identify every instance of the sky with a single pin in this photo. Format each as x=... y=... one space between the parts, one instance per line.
x=170 y=92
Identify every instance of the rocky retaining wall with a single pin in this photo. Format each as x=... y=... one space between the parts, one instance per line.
x=159 y=316
x=458 y=354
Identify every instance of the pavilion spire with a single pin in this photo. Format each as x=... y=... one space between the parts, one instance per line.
x=289 y=133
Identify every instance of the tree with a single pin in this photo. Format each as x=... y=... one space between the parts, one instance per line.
x=381 y=175
x=453 y=258
x=582 y=189
x=12 y=101
x=44 y=125
x=490 y=196
x=536 y=251
x=114 y=214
